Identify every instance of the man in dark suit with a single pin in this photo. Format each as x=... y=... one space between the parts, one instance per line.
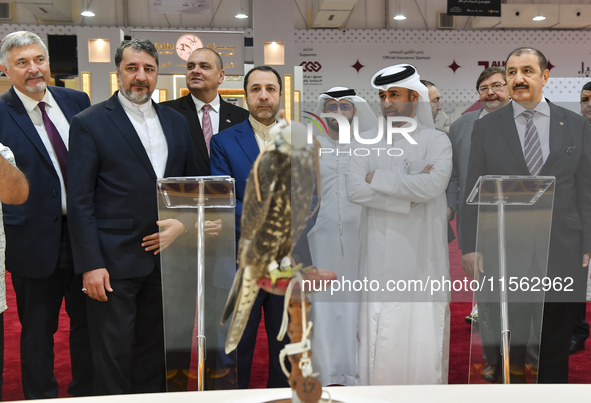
x=233 y=152
x=14 y=189
x=204 y=108
x=491 y=86
x=207 y=114
x=119 y=148
x=557 y=143
x=35 y=123
x=581 y=328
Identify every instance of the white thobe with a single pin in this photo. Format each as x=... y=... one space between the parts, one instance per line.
x=403 y=236
x=334 y=245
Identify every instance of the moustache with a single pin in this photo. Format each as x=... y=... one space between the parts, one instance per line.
x=31 y=76
x=140 y=84
x=523 y=85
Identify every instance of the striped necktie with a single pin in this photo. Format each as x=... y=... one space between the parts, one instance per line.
x=532 y=150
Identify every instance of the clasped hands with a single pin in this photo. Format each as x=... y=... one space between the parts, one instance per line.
x=97 y=282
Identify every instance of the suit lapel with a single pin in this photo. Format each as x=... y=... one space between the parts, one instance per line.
x=169 y=133
x=225 y=115
x=506 y=122
x=246 y=139
x=21 y=117
x=557 y=128
x=121 y=121
x=67 y=106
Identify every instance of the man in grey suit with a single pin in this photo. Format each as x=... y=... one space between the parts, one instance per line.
x=492 y=88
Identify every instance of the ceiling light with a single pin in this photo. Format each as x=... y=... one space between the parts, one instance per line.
x=539 y=17
x=241 y=14
x=87 y=13
x=399 y=16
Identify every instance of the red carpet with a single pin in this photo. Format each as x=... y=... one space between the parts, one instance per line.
x=580 y=363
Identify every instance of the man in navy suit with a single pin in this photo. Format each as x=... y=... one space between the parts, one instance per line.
x=233 y=151
x=119 y=148
x=35 y=124
x=205 y=72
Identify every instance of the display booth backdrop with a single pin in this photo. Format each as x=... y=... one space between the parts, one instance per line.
x=450 y=59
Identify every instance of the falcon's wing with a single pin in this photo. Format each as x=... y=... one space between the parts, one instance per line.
x=253 y=217
x=253 y=211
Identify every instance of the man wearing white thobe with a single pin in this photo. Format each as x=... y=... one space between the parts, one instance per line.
x=403 y=336
x=334 y=241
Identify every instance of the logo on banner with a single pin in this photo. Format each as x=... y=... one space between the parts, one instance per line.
x=345 y=133
x=318 y=120
x=311 y=67
x=487 y=64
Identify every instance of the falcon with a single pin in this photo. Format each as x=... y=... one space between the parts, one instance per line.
x=276 y=206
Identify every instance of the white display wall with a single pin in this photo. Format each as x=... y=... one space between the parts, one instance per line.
x=329 y=58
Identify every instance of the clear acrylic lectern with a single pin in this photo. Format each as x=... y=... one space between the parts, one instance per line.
x=513 y=236
x=198 y=268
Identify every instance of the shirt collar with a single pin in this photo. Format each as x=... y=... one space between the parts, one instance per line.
x=30 y=104
x=261 y=129
x=542 y=107
x=215 y=104
x=133 y=107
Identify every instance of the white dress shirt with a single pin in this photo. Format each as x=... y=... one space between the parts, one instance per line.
x=261 y=132
x=214 y=113
x=541 y=120
x=59 y=121
x=147 y=125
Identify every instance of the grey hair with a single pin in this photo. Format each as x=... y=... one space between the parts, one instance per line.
x=144 y=45
x=19 y=39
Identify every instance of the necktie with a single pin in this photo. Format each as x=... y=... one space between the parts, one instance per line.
x=57 y=143
x=532 y=150
x=207 y=126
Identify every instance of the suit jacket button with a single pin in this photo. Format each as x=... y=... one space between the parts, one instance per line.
x=54 y=219
x=54 y=193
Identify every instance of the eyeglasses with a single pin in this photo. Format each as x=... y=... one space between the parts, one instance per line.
x=495 y=88
x=345 y=107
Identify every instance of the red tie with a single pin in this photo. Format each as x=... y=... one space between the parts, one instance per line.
x=56 y=140
x=207 y=127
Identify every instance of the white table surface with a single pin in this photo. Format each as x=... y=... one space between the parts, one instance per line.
x=369 y=394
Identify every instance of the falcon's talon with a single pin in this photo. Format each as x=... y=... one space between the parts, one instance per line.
x=273 y=266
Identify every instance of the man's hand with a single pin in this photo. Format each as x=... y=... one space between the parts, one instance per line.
x=212 y=228
x=159 y=241
x=450 y=213
x=427 y=169
x=472 y=264
x=369 y=177
x=96 y=282
x=586 y=258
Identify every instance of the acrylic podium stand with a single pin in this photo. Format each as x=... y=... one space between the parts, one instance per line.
x=197 y=273
x=513 y=236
